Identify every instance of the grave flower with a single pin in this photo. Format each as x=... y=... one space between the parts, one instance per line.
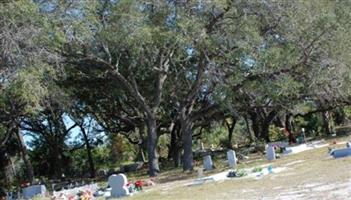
x=86 y=195
x=131 y=187
x=257 y=169
x=139 y=185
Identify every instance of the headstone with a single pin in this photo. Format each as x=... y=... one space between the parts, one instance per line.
x=31 y=191
x=270 y=152
x=118 y=185
x=200 y=172
x=208 y=165
x=339 y=153
x=231 y=158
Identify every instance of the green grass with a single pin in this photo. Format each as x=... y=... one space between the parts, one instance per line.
x=315 y=167
x=309 y=178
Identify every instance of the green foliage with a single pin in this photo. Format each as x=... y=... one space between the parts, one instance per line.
x=121 y=150
x=31 y=86
x=101 y=156
x=276 y=134
x=312 y=123
x=163 y=142
x=217 y=134
x=347 y=111
x=258 y=57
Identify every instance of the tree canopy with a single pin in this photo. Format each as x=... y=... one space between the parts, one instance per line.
x=131 y=75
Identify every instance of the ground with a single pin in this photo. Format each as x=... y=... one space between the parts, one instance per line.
x=311 y=174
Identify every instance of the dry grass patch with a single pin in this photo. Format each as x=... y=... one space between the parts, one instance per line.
x=309 y=175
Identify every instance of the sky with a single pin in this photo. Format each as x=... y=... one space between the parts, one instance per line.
x=73 y=135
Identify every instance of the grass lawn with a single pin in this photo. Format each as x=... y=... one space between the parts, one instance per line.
x=308 y=175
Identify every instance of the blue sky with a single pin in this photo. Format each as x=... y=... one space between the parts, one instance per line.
x=74 y=134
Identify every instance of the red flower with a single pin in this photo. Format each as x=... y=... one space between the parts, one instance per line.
x=139 y=183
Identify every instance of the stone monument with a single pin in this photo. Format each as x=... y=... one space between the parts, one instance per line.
x=118 y=185
x=208 y=165
x=33 y=190
x=231 y=158
x=339 y=153
x=270 y=152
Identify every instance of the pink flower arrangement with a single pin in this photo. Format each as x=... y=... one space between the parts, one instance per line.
x=86 y=195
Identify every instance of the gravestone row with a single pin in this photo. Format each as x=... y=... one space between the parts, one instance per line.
x=231 y=156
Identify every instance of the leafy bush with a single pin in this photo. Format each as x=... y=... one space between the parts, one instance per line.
x=276 y=134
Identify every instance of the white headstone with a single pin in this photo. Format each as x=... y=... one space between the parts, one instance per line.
x=231 y=158
x=118 y=185
x=270 y=152
x=207 y=162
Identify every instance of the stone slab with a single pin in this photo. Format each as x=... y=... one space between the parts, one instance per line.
x=339 y=153
x=232 y=160
x=34 y=190
x=208 y=164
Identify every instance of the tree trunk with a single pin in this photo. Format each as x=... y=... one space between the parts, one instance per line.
x=326 y=124
x=56 y=162
x=177 y=156
x=251 y=135
x=289 y=127
x=174 y=147
x=266 y=123
x=265 y=132
x=255 y=124
x=90 y=157
x=187 y=145
x=172 y=144
x=25 y=156
x=142 y=143
x=151 y=147
x=142 y=149
x=288 y=122
x=230 y=128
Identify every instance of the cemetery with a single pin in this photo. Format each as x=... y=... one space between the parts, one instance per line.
x=175 y=99
x=269 y=169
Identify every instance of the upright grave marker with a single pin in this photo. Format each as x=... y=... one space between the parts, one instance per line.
x=270 y=152
x=118 y=184
x=231 y=158
x=208 y=164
